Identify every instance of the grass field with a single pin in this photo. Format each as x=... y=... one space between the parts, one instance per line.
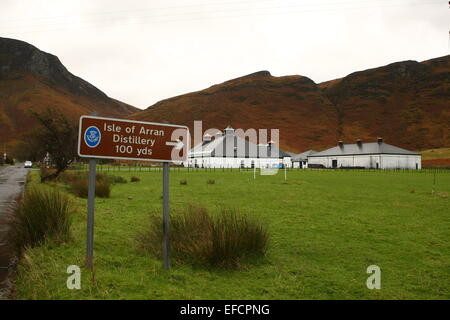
x=326 y=228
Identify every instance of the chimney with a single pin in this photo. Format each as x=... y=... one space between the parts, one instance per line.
x=341 y=144
x=380 y=140
x=207 y=138
x=229 y=130
x=359 y=143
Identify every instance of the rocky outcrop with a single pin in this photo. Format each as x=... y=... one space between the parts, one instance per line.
x=33 y=80
x=19 y=56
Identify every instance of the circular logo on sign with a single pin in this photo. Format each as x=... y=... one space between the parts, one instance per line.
x=92 y=136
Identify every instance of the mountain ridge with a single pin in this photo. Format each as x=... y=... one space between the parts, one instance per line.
x=252 y=101
x=406 y=102
x=401 y=97
x=31 y=79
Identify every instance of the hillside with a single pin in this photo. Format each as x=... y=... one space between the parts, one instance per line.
x=436 y=158
x=407 y=103
x=293 y=104
x=31 y=79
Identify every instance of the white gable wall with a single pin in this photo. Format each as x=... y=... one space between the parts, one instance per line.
x=401 y=161
x=384 y=161
x=222 y=162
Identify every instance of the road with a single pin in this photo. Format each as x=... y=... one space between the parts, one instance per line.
x=12 y=181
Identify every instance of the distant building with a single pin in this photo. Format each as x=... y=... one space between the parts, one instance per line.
x=227 y=150
x=377 y=155
x=47 y=161
x=301 y=160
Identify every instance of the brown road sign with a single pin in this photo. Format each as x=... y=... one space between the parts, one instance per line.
x=132 y=140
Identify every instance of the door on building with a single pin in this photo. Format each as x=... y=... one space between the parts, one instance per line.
x=334 y=163
x=378 y=166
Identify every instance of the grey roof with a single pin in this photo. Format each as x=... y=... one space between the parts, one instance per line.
x=230 y=145
x=303 y=156
x=290 y=153
x=366 y=148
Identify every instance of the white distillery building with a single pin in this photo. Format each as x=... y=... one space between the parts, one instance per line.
x=377 y=155
x=301 y=160
x=228 y=150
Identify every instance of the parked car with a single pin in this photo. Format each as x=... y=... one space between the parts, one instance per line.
x=28 y=164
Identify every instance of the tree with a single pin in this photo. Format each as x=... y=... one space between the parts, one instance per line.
x=58 y=137
x=29 y=147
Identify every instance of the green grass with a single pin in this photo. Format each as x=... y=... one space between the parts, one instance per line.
x=326 y=228
x=78 y=182
x=42 y=214
x=228 y=239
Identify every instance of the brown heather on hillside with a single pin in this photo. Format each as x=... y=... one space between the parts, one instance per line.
x=293 y=104
x=436 y=163
x=407 y=103
x=31 y=79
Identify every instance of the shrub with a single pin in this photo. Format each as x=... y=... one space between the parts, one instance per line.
x=223 y=241
x=64 y=177
x=40 y=215
x=210 y=181
x=68 y=177
x=236 y=236
x=135 y=179
x=101 y=177
x=44 y=172
x=118 y=179
x=79 y=186
x=183 y=182
x=103 y=189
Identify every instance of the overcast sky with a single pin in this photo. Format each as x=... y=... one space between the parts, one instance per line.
x=141 y=52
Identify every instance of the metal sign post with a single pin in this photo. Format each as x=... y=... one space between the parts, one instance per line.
x=166 y=261
x=107 y=138
x=90 y=215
